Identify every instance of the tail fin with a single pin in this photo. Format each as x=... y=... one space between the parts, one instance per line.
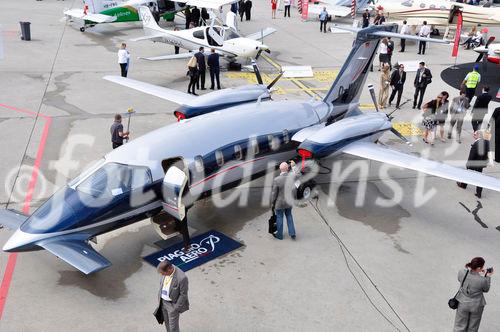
x=346 y=89
x=148 y=21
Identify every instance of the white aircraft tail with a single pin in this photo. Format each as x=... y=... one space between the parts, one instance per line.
x=148 y=21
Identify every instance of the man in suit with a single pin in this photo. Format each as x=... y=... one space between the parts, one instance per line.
x=422 y=79
x=478 y=157
x=202 y=68
x=248 y=9
x=398 y=78
x=282 y=201
x=195 y=16
x=213 y=64
x=173 y=294
x=480 y=108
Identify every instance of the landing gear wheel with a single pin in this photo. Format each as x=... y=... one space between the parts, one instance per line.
x=305 y=191
x=82 y=29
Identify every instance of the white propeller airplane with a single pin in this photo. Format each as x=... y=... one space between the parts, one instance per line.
x=224 y=39
x=176 y=165
x=489 y=52
x=438 y=12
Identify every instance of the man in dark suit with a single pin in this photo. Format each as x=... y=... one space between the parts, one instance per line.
x=173 y=294
x=480 y=108
x=248 y=9
x=398 y=78
x=478 y=157
x=202 y=68
x=422 y=79
x=195 y=16
x=213 y=64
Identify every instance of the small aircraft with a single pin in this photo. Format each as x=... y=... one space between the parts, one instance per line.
x=224 y=39
x=169 y=169
x=335 y=8
x=438 y=12
x=117 y=11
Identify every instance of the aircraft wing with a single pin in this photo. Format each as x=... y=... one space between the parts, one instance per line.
x=261 y=34
x=96 y=18
x=172 y=95
x=495 y=17
x=185 y=55
x=76 y=252
x=382 y=154
x=333 y=10
x=212 y=4
x=12 y=219
x=157 y=37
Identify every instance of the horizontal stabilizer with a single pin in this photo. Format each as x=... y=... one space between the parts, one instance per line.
x=392 y=34
x=96 y=18
x=172 y=95
x=12 y=219
x=76 y=252
x=261 y=34
x=378 y=153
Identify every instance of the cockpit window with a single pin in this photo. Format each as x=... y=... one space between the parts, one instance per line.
x=114 y=179
x=230 y=34
x=408 y=3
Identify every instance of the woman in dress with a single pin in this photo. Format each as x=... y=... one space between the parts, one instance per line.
x=274 y=4
x=193 y=74
x=442 y=114
x=429 y=121
x=385 y=82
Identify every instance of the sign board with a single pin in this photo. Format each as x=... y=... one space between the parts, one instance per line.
x=297 y=71
x=204 y=248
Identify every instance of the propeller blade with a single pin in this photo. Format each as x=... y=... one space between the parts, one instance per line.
x=258 y=54
x=257 y=72
x=400 y=136
x=275 y=80
x=490 y=40
x=372 y=94
x=479 y=57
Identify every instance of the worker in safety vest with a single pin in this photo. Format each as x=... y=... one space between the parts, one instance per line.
x=471 y=81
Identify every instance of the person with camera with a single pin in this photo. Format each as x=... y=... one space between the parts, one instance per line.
x=470 y=296
x=282 y=200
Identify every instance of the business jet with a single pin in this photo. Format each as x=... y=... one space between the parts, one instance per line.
x=335 y=8
x=172 y=167
x=118 y=11
x=489 y=52
x=438 y=12
x=224 y=39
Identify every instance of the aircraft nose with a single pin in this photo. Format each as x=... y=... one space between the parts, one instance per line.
x=17 y=240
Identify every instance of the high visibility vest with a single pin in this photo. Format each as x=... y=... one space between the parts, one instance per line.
x=472 y=80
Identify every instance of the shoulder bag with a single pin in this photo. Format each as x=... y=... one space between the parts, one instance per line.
x=453 y=302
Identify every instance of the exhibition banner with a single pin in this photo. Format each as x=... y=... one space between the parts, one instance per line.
x=204 y=248
x=458 y=32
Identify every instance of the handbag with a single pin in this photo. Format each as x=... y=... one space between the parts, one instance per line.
x=453 y=302
x=159 y=314
x=272 y=224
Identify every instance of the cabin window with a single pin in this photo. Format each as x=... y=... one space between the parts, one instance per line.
x=408 y=3
x=432 y=6
x=286 y=136
x=238 y=152
x=422 y=5
x=219 y=158
x=274 y=142
x=254 y=146
x=443 y=8
x=200 y=34
x=198 y=164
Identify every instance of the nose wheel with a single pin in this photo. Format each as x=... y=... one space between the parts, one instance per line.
x=82 y=29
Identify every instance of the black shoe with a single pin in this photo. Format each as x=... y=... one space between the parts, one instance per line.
x=203 y=89
x=419 y=53
x=211 y=88
x=449 y=136
x=414 y=106
x=293 y=236
x=194 y=94
x=189 y=92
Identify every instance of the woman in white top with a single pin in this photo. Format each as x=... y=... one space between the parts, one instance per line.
x=383 y=56
x=193 y=74
x=123 y=59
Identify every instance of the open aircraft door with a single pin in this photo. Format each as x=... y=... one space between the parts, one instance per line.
x=174 y=184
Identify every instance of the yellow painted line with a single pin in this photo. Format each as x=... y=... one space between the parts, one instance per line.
x=407 y=129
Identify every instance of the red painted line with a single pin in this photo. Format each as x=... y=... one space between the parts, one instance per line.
x=11 y=262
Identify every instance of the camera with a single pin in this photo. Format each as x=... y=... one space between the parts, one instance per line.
x=489 y=270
